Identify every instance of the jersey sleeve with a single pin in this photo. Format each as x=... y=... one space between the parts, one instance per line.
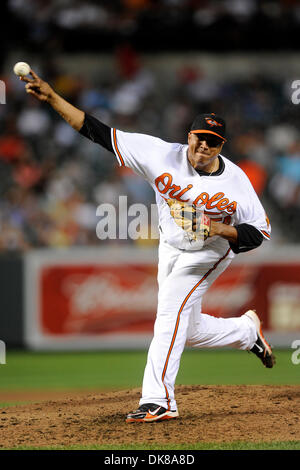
x=251 y=211
x=137 y=151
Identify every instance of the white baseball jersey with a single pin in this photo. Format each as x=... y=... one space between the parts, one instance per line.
x=228 y=197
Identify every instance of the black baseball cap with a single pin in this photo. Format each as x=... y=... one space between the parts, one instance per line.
x=209 y=124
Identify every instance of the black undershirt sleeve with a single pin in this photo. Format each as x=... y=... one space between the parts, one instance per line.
x=248 y=238
x=96 y=131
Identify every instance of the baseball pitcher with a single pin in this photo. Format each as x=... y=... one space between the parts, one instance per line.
x=208 y=213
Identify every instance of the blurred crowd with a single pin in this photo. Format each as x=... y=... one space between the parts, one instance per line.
x=156 y=24
x=53 y=179
x=116 y=14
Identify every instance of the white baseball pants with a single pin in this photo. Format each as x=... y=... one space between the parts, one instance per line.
x=183 y=279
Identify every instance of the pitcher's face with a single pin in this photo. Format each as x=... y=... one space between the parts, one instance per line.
x=203 y=150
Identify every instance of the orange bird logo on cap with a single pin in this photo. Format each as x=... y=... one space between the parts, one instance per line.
x=212 y=122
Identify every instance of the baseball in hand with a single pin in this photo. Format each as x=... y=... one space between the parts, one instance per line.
x=21 y=69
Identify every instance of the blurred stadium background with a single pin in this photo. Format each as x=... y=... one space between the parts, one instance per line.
x=145 y=66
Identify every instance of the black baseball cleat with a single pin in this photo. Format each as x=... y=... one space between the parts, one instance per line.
x=261 y=347
x=150 y=412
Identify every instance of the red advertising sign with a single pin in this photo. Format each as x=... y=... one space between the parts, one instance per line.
x=273 y=290
x=79 y=302
x=101 y=299
x=89 y=299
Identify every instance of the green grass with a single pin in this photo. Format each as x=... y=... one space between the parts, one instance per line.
x=238 y=445
x=6 y=404
x=94 y=370
x=104 y=370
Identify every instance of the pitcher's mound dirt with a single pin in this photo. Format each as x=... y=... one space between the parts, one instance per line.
x=207 y=413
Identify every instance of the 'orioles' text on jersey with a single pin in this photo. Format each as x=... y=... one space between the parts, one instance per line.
x=227 y=197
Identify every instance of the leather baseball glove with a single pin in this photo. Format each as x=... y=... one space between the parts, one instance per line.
x=190 y=218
